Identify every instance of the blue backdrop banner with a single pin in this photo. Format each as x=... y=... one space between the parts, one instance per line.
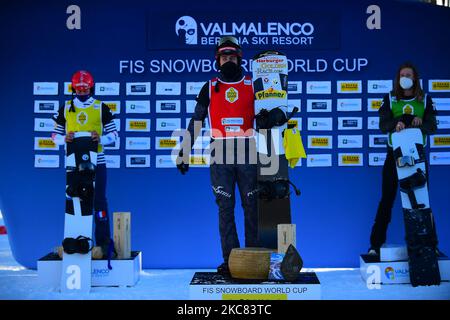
x=149 y=61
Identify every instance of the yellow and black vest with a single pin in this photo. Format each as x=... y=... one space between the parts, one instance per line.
x=86 y=118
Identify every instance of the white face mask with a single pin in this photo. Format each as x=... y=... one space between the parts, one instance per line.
x=406 y=83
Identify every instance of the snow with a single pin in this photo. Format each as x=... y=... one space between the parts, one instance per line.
x=19 y=283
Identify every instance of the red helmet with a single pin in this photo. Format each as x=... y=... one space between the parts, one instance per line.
x=82 y=78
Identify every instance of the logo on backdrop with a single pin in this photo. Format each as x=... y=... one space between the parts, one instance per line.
x=169 y=30
x=186 y=29
x=389 y=272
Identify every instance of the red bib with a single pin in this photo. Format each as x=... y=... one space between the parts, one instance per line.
x=232 y=109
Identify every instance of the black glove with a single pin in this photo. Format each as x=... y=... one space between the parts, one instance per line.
x=407 y=119
x=269 y=119
x=181 y=165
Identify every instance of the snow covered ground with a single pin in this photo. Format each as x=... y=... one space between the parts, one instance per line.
x=18 y=283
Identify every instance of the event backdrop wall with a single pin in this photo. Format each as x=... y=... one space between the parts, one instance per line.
x=149 y=60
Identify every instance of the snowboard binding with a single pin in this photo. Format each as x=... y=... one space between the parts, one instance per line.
x=83 y=181
x=276 y=189
x=81 y=245
x=411 y=183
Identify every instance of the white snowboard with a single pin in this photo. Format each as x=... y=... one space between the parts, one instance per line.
x=76 y=268
x=407 y=140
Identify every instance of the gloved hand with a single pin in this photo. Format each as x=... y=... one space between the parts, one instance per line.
x=269 y=119
x=181 y=165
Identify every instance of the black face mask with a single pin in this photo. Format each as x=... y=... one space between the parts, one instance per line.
x=83 y=98
x=230 y=70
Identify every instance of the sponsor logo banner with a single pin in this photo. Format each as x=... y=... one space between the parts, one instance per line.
x=349 y=123
x=44 y=125
x=45 y=88
x=294 y=103
x=168 y=124
x=202 y=143
x=138 y=88
x=373 y=123
x=67 y=88
x=117 y=123
x=442 y=104
x=168 y=106
x=107 y=88
x=46 y=106
x=167 y=143
x=137 y=106
x=114 y=106
x=199 y=161
x=194 y=87
x=138 y=160
x=349 y=105
x=205 y=124
x=439 y=85
x=320 y=142
x=320 y=124
x=350 y=141
x=318 y=160
x=440 y=158
x=137 y=143
x=319 y=105
x=138 y=125
x=44 y=143
x=440 y=141
x=297 y=122
x=374 y=104
x=376 y=159
x=318 y=87
x=350 y=159
x=443 y=122
x=190 y=106
x=168 y=88
x=294 y=87
x=349 y=86
x=114 y=146
x=112 y=162
x=379 y=86
x=378 y=140
x=165 y=161
x=46 y=161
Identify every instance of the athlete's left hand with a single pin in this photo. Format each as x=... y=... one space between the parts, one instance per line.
x=95 y=136
x=417 y=122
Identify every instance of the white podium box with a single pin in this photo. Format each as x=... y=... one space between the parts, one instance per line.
x=393 y=252
x=124 y=272
x=394 y=272
x=213 y=286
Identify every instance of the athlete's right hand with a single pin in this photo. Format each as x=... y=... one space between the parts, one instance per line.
x=400 y=126
x=69 y=136
x=181 y=165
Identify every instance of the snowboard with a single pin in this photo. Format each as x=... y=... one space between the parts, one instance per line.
x=81 y=160
x=420 y=232
x=270 y=71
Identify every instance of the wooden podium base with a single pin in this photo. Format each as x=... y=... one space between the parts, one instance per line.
x=250 y=263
